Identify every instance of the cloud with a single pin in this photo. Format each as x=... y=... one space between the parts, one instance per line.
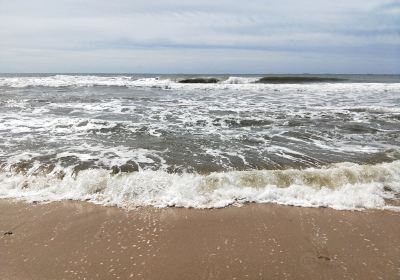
x=305 y=30
x=391 y=9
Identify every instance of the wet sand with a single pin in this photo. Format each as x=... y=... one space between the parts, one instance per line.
x=76 y=240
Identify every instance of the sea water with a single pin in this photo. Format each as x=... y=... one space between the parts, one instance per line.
x=138 y=140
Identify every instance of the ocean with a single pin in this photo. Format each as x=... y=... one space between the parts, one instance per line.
x=205 y=141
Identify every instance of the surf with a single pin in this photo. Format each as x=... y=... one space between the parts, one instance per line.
x=342 y=186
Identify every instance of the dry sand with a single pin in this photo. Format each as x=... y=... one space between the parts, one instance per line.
x=75 y=240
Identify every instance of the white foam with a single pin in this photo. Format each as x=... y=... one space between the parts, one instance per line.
x=340 y=186
x=232 y=83
x=81 y=81
x=240 y=80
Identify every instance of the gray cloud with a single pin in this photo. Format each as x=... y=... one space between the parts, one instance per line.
x=205 y=36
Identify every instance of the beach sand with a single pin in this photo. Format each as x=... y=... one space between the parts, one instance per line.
x=77 y=240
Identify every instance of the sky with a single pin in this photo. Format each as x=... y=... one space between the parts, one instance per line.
x=193 y=36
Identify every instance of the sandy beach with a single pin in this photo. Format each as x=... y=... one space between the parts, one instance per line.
x=76 y=240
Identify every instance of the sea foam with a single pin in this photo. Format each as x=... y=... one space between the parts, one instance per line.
x=235 y=83
x=340 y=186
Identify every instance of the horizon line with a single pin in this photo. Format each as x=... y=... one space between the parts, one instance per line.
x=200 y=73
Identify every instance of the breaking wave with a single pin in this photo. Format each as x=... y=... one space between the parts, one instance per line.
x=340 y=186
x=164 y=82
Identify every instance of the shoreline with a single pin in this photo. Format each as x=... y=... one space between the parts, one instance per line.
x=79 y=240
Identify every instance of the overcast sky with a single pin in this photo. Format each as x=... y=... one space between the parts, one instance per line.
x=202 y=36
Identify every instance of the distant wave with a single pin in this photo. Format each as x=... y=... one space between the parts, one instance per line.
x=240 y=80
x=264 y=80
x=199 y=81
x=164 y=82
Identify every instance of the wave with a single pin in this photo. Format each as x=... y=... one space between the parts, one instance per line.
x=343 y=186
x=168 y=83
x=240 y=80
x=199 y=81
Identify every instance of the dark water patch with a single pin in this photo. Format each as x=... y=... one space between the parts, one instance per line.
x=36 y=165
x=83 y=165
x=395 y=117
x=128 y=167
x=64 y=125
x=202 y=123
x=68 y=161
x=41 y=101
x=143 y=130
x=199 y=81
x=361 y=110
x=303 y=135
x=379 y=157
x=295 y=122
x=118 y=128
x=62 y=111
x=222 y=112
x=298 y=80
x=247 y=122
x=22 y=167
x=298 y=122
x=83 y=123
x=352 y=127
x=232 y=122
